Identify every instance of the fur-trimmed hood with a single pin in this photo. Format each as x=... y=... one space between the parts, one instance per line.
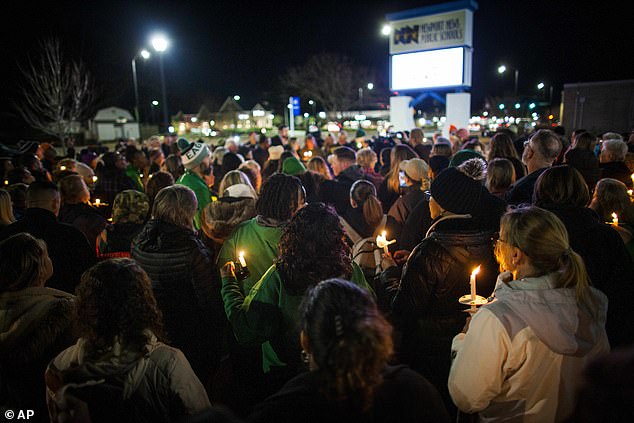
x=32 y=320
x=221 y=217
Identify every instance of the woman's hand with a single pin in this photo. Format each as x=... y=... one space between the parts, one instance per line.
x=228 y=270
x=400 y=256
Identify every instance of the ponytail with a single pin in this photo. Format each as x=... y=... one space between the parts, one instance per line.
x=574 y=274
x=364 y=194
x=372 y=212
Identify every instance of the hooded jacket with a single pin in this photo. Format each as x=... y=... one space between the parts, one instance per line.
x=187 y=290
x=155 y=384
x=426 y=310
x=35 y=324
x=523 y=355
x=221 y=217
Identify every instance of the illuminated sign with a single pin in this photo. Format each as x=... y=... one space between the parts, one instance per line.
x=428 y=69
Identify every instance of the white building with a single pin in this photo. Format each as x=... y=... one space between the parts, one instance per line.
x=113 y=123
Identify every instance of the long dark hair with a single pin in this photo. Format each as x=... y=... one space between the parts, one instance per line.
x=364 y=194
x=350 y=341
x=312 y=248
x=115 y=299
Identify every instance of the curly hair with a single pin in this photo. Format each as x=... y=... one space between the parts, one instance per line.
x=303 y=264
x=114 y=299
x=349 y=340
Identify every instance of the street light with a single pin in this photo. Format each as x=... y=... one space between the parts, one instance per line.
x=370 y=86
x=160 y=44
x=145 y=55
x=386 y=30
x=540 y=85
x=236 y=97
x=502 y=69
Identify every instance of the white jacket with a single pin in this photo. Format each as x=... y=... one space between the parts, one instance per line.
x=523 y=355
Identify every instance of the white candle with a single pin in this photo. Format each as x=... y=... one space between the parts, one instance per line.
x=97 y=202
x=241 y=259
x=382 y=242
x=94 y=179
x=615 y=219
x=473 y=283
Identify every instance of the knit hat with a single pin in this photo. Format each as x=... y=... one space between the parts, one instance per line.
x=415 y=169
x=438 y=163
x=130 y=206
x=443 y=140
x=360 y=133
x=464 y=155
x=231 y=161
x=456 y=192
x=292 y=166
x=240 y=191
x=193 y=153
x=275 y=152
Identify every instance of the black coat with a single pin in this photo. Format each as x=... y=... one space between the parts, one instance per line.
x=608 y=264
x=336 y=192
x=586 y=163
x=67 y=246
x=426 y=310
x=521 y=192
x=618 y=171
x=403 y=397
x=85 y=218
x=187 y=289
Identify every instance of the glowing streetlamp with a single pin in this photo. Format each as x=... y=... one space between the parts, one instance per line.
x=502 y=69
x=145 y=55
x=160 y=44
x=236 y=97
x=386 y=30
x=540 y=85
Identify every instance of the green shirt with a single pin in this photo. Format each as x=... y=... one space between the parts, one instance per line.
x=260 y=246
x=203 y=194
x=135 y=174
x=268 y=312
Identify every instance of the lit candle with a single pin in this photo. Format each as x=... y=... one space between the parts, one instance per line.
x=6 y=182
x=62 y=168
x=473 y=283
x=382 y=242
x=308 y=154
x=615 y=219
x=97 y=202
x=141 y=175
x=94 y=179
x=241 y=259
x=632 y=176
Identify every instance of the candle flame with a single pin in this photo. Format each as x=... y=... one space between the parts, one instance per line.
x=62 y=168
x=94 y=178
x=614 y=216
x=383 y=234
x=97 y=201
x=476 y=271
x=241 y=254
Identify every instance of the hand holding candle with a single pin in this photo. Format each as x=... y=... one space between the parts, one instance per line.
x=242 y=271
x=615 y=219
x=382 y=242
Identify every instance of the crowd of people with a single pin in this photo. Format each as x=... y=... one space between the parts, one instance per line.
x=319 y=279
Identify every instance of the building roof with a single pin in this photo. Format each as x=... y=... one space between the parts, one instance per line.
x=113 y=114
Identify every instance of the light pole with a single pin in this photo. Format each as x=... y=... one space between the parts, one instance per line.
x=145 y=55
x=160 y=44
x=502 y=69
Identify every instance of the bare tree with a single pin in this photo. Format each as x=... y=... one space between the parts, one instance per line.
x=330 y=79
x=56 y=94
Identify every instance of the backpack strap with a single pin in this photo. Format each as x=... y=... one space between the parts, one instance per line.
x=352 y=234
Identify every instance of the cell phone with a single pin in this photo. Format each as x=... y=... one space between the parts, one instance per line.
x=401 y=179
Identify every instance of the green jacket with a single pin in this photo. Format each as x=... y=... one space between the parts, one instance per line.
x=134 y=174
x=260 y=245
x=269 y=315
x=203 y=194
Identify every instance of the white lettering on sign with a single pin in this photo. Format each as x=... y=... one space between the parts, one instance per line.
x=431 y=32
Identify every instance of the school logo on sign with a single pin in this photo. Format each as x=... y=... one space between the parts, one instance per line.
x=406 y=35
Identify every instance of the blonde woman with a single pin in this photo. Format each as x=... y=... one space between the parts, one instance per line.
x=390 y=189
x=522 y=355
x=318 y=165
x=6 y=209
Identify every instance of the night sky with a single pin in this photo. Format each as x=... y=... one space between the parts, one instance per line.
x=222 y=48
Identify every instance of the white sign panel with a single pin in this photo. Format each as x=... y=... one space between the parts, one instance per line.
x=431 y=69
x=442 y=30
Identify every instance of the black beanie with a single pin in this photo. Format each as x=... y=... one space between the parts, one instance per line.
x=456 y=192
